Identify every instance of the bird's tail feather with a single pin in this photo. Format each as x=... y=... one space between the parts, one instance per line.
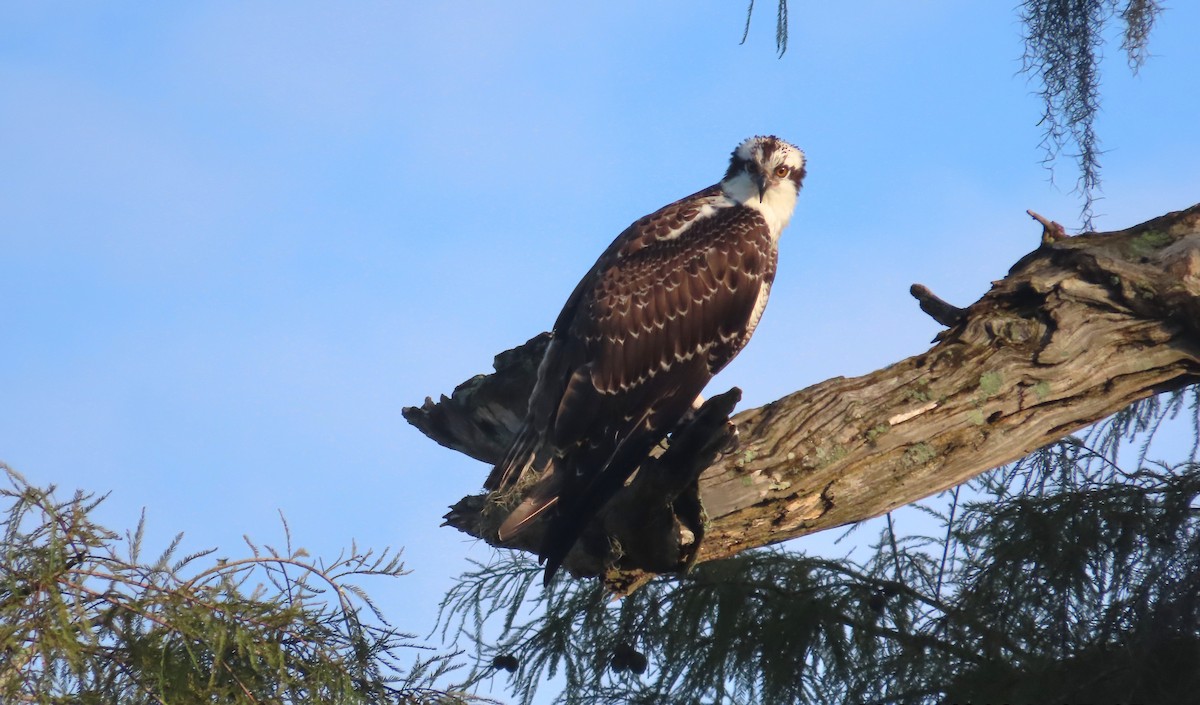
x=577 y=510
x=520 y=454
x=544 y=495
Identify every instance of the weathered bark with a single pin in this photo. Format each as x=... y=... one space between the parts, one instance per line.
x=1079 y=329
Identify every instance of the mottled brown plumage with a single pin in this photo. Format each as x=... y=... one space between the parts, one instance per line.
x=670 y=302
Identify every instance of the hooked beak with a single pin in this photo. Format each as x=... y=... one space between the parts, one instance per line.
x=760 y=180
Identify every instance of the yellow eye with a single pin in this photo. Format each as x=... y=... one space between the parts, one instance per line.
x=781 y=171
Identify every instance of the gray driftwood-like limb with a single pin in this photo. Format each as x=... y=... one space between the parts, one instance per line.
x=947 y=314
x=1079 y=329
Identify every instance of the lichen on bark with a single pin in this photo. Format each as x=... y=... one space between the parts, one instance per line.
x=1080 y=328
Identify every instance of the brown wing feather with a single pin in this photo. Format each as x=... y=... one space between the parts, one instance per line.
x=693 y=299
x=655 y=318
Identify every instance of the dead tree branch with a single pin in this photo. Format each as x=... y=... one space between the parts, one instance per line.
x=1079 y=329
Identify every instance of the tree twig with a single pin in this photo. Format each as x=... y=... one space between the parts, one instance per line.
x=1079 y=329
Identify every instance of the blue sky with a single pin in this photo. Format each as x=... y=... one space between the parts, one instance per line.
x=237 y=238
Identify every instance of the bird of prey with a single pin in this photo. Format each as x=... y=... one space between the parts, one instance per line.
x=670 y=302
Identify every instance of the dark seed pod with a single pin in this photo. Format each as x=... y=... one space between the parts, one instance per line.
x=618 y=663
x=638 y=662
x=627 y=658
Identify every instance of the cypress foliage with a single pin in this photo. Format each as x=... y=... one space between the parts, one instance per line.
x=1064 y=45
x=1072 y=575
x=82 y=622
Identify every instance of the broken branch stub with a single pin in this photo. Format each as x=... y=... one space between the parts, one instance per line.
x=1079 y=329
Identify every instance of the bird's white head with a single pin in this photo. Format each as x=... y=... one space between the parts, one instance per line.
x=765 y=173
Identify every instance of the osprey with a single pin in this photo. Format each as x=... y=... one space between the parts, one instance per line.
x=670 y=302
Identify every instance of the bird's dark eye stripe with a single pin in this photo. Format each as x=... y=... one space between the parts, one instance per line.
x=738 y=164
x=578 y=421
